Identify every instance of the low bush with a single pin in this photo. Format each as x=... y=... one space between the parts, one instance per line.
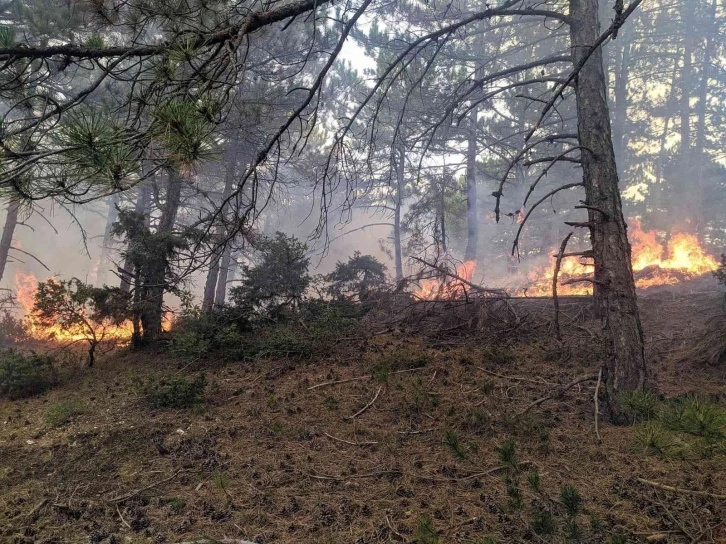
x=13 y=330
x=24 y=375
x=178 y=393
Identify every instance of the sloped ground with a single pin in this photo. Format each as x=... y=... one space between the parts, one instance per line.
x=271 y=458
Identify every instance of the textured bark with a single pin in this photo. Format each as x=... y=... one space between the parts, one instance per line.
x=615 y=296
x=224 y=275
x=210 y=286
x=620 y=110
x=472 y=220
x=155 y=276
x=11 y=221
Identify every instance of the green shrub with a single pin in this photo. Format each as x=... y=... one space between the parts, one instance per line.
x=640 y=404
x=24 y=375
x=698 y=417
x=652 y=438
x=178 y=393
x=13 y=330
x=543 y=523
x=426 y=533
x=63 y=412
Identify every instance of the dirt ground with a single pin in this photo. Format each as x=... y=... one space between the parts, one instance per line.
x=273 y=455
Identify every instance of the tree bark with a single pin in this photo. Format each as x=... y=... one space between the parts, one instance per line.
x=397 y=205
x=155 y=281
x=687 y=190
x=472 y=220
x=210 y=286
x=11 y=221
x=615 y=296
x=224 y=274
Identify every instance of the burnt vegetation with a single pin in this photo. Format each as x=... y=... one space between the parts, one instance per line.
x=366 y=272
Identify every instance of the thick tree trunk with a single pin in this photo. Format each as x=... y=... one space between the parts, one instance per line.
x=11 y=221
x=105 y=257
x=155 y=283
x=472 y=229
x=397 y=205
x=210 y=286
x=615 y=296
x=141 y=207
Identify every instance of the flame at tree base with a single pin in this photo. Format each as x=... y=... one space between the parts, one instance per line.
x=654 y=264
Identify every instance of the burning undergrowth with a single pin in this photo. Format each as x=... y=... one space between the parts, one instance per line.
x=681 y=258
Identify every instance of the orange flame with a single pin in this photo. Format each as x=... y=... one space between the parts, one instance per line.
x=27 y=287
x=448 y=287
x=653 y=264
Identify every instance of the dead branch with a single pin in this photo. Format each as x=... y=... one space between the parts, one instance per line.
x=446 y=272
x=349 y=442
x=680 y=489
x=555 y=278
x=560 y=392
x=359 y=412
x=132 y=494
x=359 y=378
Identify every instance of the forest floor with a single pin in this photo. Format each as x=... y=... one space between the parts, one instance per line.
x=412 y=453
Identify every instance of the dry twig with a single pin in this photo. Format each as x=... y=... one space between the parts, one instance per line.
x=560 y=392
x=359 y=412
x=681 y=490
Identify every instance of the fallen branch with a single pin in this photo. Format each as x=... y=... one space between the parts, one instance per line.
x=359 y=412
x=559 y=393
x=348 y=441
x=132 y=494
x=354 y=476
x=445 y=272
x=681 y=490
x=359 y=378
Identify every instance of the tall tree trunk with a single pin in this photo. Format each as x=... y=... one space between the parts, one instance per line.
x=105 y=257
x=224 y=273
x=620 y=113
x=210 y=286
x=699 y=156
x=688 y=10
x=472 y=220
x=397 y=205
x=615 y=296
x=141 y=207
x=11 y=221
x=155 y=283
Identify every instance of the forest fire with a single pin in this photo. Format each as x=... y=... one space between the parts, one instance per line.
x=654 y=264
x=449 y=287
x=26 y=287
x=682 y=258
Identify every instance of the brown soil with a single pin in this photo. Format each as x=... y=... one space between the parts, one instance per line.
x=270 y=460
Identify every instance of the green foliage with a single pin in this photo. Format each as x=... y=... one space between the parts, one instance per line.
x=184 y=131
x=357 y=279
x=534 y=480
x=178 y=393
x=426 y=532
x=97 y=147
x=507 y=453
x=696 y=416
x=640 y=404
x=572 y=501
x=543 y=522
x=96 y=41
x=451 y=441
x=13 y=330
x=24 y=375
x=63 y=412
x=7 y=36
x=277 y=284
x=652 y=438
